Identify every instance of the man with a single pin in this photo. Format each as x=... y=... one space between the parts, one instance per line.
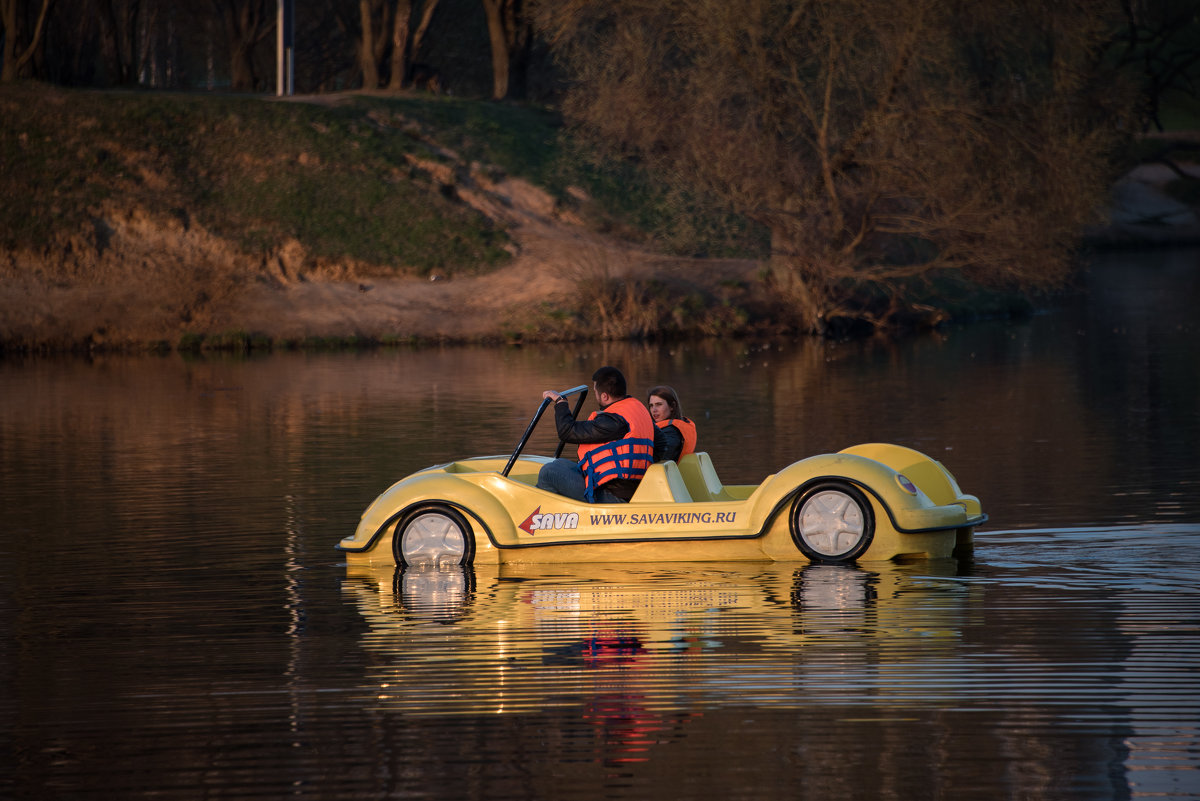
x=616 y=444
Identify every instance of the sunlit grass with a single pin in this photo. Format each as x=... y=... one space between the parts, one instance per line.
x=336 y=177
x=255 y=172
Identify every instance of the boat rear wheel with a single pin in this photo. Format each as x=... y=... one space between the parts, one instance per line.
x=832 y=522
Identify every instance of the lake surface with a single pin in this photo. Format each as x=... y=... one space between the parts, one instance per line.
x=177 y=624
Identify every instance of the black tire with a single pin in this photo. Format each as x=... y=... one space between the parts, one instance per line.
x=433 y=535
x=832 y=522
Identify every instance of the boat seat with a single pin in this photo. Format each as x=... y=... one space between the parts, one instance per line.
x=701 y=480
x=662 y=483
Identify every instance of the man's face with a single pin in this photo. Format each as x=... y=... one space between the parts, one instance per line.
x=602 y=398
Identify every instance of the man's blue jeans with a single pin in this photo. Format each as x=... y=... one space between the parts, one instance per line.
x=565 y=477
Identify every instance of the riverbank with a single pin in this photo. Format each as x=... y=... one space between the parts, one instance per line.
x=153 y=221
x=201 y=222
x=146 y=280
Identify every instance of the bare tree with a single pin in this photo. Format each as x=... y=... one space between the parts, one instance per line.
x=16 y=19
x=374 y=23
x=1161 y=41
x=247 y=23
x=511 y=35
x=411 y=23
x=882 y=142
x=392 y=31
x=127 y=27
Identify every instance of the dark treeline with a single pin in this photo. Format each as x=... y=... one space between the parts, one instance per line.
x=477 y=48
x=474 y=48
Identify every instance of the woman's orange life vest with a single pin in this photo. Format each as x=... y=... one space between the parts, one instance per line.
x=627 y=457
x=687 y=428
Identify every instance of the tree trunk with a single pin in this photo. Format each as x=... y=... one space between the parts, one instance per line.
x=366 y=50
x=376 y=23
x=400 y=39
x=793 y=282
x=241 y=66
x=407 y=40
x=120 y=19
x=495 y=11
x=510 y=35
x=247 y=22
x=8 y=18
x=13 y=59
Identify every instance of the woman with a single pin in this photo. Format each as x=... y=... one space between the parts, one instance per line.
x=677 y=434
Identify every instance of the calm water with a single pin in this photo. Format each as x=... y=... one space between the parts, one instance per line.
x=176 y=623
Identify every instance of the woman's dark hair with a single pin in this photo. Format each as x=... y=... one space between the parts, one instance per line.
x=667 y=394
x=610 y=381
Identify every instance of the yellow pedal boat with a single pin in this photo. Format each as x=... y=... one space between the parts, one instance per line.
x=868 y=502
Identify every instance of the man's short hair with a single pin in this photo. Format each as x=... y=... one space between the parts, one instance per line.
x=610 y=381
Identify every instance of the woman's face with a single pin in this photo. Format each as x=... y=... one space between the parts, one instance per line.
x=659 y=408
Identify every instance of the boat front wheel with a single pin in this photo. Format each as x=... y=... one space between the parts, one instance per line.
x=432 y=535
x=832 y=522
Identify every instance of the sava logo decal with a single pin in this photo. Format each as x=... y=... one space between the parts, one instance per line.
x=544 y=522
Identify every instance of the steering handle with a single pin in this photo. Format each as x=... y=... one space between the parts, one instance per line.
x=581 y=390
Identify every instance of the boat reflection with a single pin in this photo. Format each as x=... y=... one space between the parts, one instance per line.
x=639 y=639
x=434 y=593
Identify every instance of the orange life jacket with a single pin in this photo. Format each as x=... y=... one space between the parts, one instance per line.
x=687 y=428
x=627 y=457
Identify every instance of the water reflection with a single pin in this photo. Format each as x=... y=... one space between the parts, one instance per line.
x=669 y=634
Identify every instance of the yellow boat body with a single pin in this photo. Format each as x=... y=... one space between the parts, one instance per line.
x=680 y=512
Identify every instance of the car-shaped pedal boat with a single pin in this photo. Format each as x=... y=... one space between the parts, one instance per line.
x=869 y=502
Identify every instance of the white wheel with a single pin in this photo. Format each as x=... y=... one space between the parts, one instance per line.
x=432 y=535
x=833 y=522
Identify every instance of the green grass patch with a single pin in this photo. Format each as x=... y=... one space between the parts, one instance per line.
x=532 y=143
x=336 y=177
x=251 y=170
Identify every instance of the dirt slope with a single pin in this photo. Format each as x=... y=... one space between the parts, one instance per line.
x=142 y=277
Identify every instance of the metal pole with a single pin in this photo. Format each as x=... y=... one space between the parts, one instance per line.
x=279 y=49
x=285 y=59
x=290 y=44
